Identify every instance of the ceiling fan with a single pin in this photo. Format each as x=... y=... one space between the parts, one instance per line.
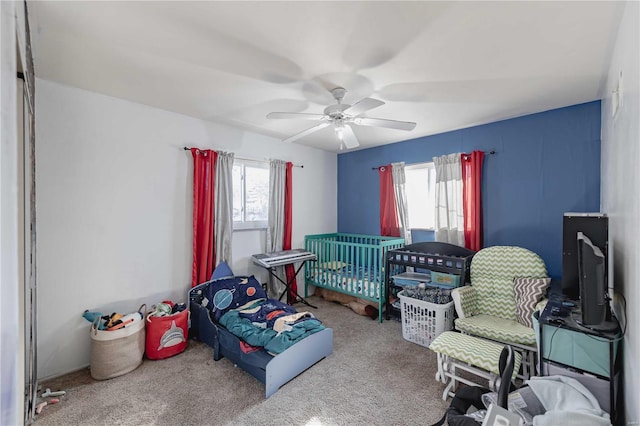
x=342 y=116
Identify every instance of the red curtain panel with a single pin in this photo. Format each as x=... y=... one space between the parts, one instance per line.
x=288 y=225
x=204 y=258
x=389 y=225
x=472 y=199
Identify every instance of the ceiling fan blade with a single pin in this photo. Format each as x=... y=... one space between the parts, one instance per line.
x=379 y=122
x=349 y=138
x=363 y=105
x=307 y=132
x=298 y=115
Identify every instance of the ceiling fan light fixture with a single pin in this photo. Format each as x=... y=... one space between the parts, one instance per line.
x=342 y=117
x=339 y=128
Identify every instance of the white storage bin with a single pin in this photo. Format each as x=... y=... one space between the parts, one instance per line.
x=423 y=321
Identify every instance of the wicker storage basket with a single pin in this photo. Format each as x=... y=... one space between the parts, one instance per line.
x=117 y=352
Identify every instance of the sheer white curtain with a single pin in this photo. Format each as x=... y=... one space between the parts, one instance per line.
x=399 y=180
x=449 y=211
x=223 y=205
x=275 y=230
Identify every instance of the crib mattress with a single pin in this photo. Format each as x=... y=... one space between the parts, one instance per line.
x=347 y=280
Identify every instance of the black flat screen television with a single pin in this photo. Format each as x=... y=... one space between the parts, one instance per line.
x=595 y=226
x=592 y=280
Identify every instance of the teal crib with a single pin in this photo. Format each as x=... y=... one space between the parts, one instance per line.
x=350 y=263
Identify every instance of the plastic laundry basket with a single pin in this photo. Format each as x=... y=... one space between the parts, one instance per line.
x=424 y=321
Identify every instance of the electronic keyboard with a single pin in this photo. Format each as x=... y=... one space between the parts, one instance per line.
x=279 y=258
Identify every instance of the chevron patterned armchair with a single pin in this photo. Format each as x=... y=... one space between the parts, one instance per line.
x=487 y=308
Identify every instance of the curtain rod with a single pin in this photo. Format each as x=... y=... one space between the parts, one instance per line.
x=376 y=168
x=250 y=159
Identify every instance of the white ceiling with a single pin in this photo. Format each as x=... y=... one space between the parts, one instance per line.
x=444 y=65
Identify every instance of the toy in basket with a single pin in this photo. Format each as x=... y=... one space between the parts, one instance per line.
x=423 y=321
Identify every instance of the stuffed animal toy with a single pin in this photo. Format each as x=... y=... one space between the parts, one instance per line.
x=93 y=316
x=359 y=306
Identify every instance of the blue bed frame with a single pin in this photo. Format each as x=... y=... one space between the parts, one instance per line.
x=273 y=371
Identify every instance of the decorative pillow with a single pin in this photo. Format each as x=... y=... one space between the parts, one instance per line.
x=222 y=271
x=528 y=292
x=233 y=293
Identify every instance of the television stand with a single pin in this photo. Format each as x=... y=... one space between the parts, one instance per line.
x=590 y=356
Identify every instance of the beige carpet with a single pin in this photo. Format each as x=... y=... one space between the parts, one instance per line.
x=374 y=376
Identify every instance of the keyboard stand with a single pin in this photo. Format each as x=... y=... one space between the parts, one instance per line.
x=269 y=261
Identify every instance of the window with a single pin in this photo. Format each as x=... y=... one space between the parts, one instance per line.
x=421 y=198
x=250 y=194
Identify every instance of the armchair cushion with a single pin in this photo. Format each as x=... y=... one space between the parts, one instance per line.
x=465 y=301
x=528 y=292
x=496 y=328
x=492 y=272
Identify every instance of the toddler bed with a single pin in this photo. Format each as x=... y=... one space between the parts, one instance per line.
x=350 y=263
x=283 y=345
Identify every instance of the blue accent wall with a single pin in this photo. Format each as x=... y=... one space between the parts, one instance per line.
x=545 y=164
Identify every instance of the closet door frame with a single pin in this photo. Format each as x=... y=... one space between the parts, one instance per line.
x=25 y=112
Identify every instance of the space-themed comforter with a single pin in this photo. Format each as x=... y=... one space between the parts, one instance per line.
x=240 y=304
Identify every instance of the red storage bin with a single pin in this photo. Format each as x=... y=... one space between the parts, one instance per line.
x=166 y=336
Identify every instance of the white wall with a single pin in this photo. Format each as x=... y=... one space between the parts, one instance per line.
x=620 y=196
x=114 y=209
